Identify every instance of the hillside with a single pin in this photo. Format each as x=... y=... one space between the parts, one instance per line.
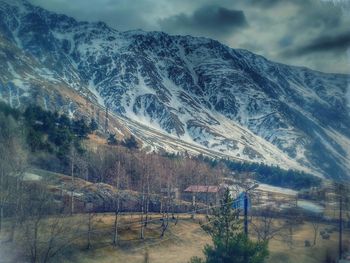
x=176 y=93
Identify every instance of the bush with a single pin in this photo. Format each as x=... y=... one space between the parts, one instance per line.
x=196 y=260
x=8 y=111
x=307 y=243
x=325 y=236
x=80 y=128
x=93 y=126
x=112 y=140
x=131 y=143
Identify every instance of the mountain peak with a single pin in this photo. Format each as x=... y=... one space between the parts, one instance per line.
x=181 y=90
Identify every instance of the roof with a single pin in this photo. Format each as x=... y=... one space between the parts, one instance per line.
x=202 y=189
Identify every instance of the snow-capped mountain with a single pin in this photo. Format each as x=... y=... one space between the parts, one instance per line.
x=176 y=92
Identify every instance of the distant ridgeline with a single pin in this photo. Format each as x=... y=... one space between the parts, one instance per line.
x=272 y=175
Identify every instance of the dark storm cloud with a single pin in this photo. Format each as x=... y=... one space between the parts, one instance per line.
x=207 y=20
x=120 y=14
x=335 y=43
x=311 y=27
x=310 y=33
x=319 y=15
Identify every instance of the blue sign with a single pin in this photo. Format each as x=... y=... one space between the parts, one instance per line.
x=238 y=203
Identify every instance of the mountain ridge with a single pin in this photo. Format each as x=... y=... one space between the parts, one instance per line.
x=228 y=100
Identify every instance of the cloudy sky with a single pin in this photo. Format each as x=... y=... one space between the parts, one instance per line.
x=312 y=33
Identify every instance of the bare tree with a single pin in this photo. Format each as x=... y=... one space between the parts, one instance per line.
x=169 y=196
x=73 y=156
x=82 y=170
x=17 y=196
x=165 y=212
x=142 y=234
x=99 y=164
x=44 y=231
x=146 y=256
x=145 y=194
x=148 y=193
x=90 y=224
x=266 y=226
x=316 y=220
x=12 y=167
x=117 y=203
x=294 y=218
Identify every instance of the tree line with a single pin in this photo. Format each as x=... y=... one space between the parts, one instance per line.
x=273 y=175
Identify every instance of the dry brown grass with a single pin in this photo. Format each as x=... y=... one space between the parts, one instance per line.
x=181 y=242
x=187 y=239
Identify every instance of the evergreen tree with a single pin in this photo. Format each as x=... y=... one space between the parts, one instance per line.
x=8 y=111
x=112 y=140
x=64 y=121
x=230 y=245
x=34 y=140
x=80 y=128
x=131 y=142
x=93 y=126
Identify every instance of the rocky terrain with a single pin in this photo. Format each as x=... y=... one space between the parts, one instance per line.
x=176 y=93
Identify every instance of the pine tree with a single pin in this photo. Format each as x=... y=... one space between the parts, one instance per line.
x=112 y=140
x=131 y=143
x=230 y=245
x=80 y=128
x=93 y=126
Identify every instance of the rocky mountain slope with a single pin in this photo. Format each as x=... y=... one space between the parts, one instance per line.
x=176 y=92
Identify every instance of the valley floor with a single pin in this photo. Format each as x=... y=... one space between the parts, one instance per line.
x=181 y=241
